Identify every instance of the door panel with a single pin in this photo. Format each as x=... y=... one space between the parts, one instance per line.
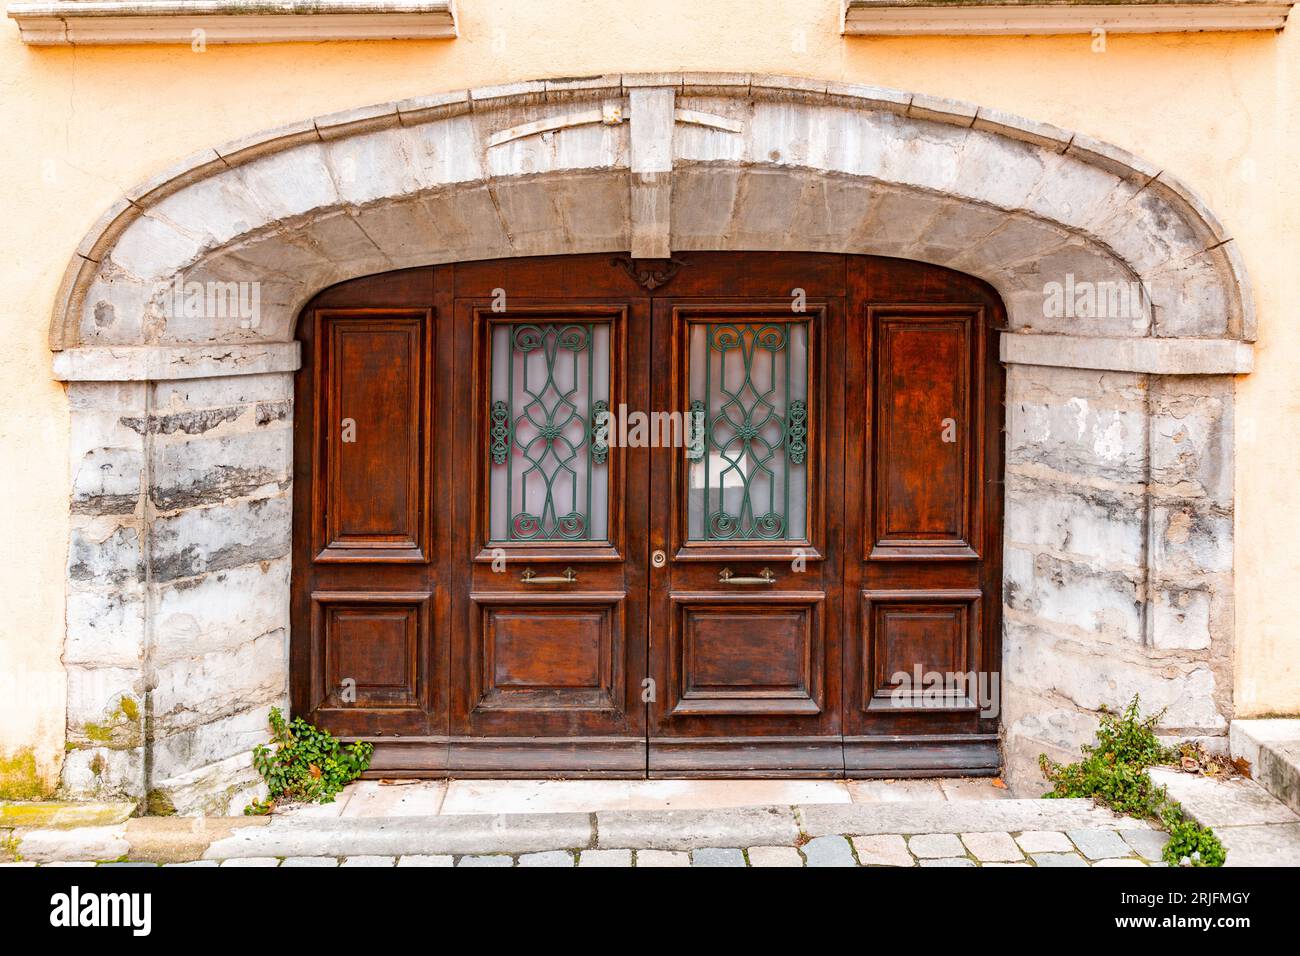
x=371 y=655
x=924 y=449
x=372 y=382
x=747 y=655
x=549 y=653
x=368 y=598
x=746 y=671
x=547 y=664
x=915 y=633
x=923 y=540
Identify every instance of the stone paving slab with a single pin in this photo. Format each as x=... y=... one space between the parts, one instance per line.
x=829 y=851
x=992 y=847
x=1100 y=844
x=885 y=849
x=769 y=856
x=1221 y=803
x=1007 y=816
x=662 y=858
x=689 y=829
x=718 y=856
x=1262 y=845
x=397 y=836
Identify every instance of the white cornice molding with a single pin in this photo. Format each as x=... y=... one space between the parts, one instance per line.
x=107 y=22
x=1013 y=18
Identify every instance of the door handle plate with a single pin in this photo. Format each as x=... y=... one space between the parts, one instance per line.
x=766 y=576
x=529 y=576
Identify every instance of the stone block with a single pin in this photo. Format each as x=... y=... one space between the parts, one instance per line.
x=1100 y=844
x=220 y=737
x=151 y=249
x=934 y=845
x=886 y=849
x=291 y=183
x=605 y=858
x=829 y=851
x=1044 y=841
x=1181 y=619
x=434 y=860
x=203 y=540
x=189 y=692
x=219 y=611
x=717 y=856
x=82 y=843
x=662 y=858
x=549 y=858
x=1191 y=537
x=690 y=829
x=992 y=847
x=194 y=473
x=773 y=856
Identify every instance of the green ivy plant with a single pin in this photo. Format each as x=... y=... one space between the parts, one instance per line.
x=1114 y=772
x=307 y=765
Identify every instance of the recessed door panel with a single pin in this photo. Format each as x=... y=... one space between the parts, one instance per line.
x=546 y=654
x=371 y=435
x=747 y=655
x=925 y=447
x=921 y=649
x=371 y=652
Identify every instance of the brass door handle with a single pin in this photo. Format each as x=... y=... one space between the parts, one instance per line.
x=766 y=576
x=532 y=577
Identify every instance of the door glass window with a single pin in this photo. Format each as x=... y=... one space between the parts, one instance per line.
x=549 y=481
x=748 y=478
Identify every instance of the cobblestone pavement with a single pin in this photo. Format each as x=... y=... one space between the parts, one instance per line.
x=1085 y=846
x=914 y=823
x=1029 y=848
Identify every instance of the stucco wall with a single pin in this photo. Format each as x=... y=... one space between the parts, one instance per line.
x=83 y=125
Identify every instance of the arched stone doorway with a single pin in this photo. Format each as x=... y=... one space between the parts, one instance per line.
x=1118 y=495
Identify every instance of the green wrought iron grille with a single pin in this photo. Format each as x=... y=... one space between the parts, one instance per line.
x=749 y=480
x=541 y=424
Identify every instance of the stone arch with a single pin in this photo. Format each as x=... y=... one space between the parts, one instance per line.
x=1119 y=485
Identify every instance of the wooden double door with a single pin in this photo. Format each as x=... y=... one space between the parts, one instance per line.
x=728 y=515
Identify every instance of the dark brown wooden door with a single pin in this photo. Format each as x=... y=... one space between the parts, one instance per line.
x=485 y=583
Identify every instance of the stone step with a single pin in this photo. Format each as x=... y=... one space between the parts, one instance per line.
x=62 y=814
x=175 y=839
x=653 y=829
x=1273 y=748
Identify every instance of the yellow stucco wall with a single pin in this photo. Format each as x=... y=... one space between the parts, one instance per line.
x=1222 y=111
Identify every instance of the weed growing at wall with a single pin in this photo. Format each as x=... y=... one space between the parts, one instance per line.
x=307 y=765
x=1114 y=772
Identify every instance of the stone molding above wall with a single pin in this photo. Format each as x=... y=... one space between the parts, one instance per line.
x=1029 y=17
x=1118 y=484
x=131 y=22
